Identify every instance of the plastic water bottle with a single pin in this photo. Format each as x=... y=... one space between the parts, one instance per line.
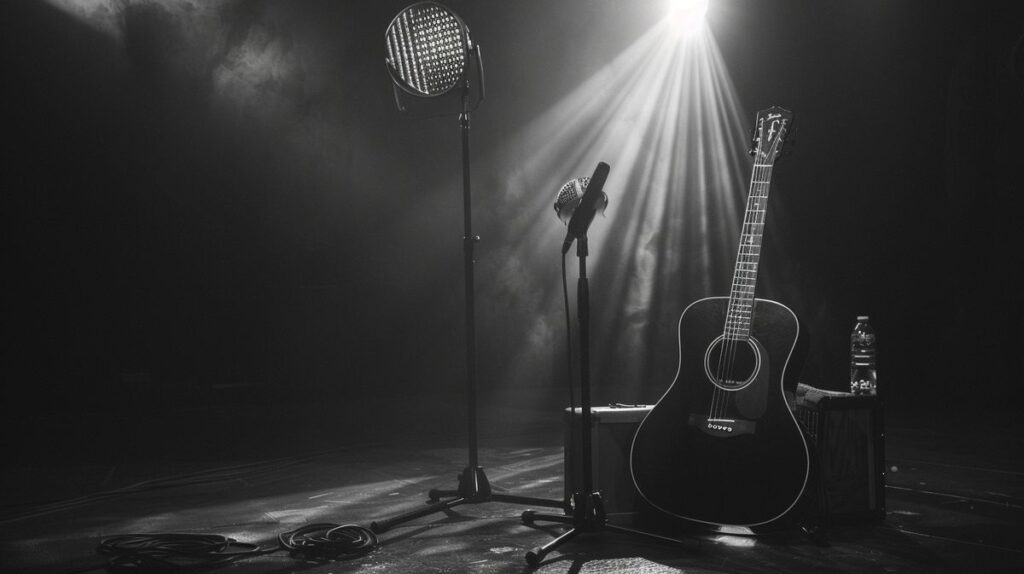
x=863 y=375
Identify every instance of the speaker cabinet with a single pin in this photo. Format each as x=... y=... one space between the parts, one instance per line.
x=612 y=430
x=846 y=433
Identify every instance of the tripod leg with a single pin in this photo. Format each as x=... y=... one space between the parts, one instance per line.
x=530 y=516
x=436 y=494
x=536 y=556
x=473 y=486
x=530 y=501
x=384 y=525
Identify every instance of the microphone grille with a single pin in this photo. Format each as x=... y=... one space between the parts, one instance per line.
x=569 y=197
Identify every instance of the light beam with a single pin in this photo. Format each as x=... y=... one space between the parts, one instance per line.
x=665 y=115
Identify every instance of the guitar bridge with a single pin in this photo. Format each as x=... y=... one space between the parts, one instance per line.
x=722 y=427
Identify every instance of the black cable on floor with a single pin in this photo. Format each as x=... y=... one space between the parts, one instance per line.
x=172 y=551
x=326 y=540
x=178 y=551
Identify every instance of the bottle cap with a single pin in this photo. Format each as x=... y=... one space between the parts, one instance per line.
x=862 y=318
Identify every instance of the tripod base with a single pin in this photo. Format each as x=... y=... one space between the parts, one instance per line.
x=474 y=488
x=588 y=516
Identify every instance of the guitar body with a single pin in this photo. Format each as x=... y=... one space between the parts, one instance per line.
x=727 y=454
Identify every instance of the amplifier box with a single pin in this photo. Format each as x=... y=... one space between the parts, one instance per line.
x=612 y=430
x=847 y=434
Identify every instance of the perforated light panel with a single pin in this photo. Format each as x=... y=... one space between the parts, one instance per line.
x=426 y=46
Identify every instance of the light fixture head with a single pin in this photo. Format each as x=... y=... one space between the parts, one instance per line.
x=427 y=49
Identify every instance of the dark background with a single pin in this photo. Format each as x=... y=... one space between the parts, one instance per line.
x=169 y=249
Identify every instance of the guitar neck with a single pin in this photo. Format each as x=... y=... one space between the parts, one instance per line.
x=770 y=128
x=744 y=277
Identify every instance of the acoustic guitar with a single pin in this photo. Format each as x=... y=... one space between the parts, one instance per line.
x=721 y=446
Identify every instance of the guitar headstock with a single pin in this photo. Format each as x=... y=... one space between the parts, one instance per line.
x=771 y=126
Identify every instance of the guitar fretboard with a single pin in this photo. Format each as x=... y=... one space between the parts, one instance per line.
x=744 y=278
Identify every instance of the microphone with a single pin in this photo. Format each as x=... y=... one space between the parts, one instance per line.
x=578 y=201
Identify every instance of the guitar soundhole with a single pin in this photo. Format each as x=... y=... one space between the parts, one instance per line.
x=732 y=365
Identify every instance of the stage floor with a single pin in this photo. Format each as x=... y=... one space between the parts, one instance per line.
x=954 y=503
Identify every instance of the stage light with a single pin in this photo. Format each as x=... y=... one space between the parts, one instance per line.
x=686 y=16
x=427 y=49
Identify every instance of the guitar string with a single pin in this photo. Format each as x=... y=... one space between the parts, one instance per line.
x=724 y=370
x=732 y=336
x=755 y=228
x=740 y=312
x=719 y=396
x=754 y=247
x=759 y=216
x=745 y=258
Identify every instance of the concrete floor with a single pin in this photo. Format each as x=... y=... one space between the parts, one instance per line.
x=954 y=504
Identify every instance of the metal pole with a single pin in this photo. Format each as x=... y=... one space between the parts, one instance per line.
x=468 y=244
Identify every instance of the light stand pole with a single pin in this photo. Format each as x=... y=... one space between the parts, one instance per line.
x=473 y=486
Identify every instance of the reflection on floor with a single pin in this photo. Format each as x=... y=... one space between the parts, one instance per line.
x=954 y=503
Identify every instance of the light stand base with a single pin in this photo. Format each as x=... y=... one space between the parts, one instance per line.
x=474 y=488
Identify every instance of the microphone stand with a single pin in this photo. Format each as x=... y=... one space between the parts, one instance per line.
x=588 y=514
x=473 y=486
